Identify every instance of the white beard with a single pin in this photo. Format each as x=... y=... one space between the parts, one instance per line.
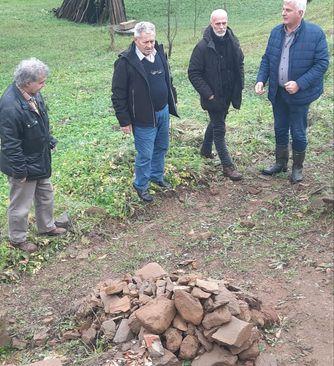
x=219 y=34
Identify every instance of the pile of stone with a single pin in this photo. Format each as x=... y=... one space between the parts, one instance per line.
x=160 y=319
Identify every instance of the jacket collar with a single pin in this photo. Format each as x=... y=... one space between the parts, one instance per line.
x=131 y=55
x=207 y=36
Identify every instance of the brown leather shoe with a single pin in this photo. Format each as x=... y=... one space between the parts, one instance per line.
x=232 y=173
x=56 y=232
x=25 y=246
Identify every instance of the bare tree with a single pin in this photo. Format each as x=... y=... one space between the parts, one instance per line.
x=171 y=31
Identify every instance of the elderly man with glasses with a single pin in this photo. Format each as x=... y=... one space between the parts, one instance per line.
x=25 y=155
x=143 y=97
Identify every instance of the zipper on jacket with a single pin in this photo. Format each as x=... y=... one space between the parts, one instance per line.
x=133 y=103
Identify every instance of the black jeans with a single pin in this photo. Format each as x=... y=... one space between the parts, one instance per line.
x=215 y=132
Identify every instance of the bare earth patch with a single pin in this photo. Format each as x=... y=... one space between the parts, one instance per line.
x=264 y=235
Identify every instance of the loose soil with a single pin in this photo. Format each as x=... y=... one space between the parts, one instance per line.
x=274 y=239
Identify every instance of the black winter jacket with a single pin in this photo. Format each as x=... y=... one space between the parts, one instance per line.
x=25 y=138
x=204 y=72
x=131 y=93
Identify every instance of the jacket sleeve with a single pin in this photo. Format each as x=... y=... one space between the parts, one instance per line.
x=196 y=72
x=11 y=144
x=119 y=98
x=241 y=62
x=264 y=69
x=320 y=65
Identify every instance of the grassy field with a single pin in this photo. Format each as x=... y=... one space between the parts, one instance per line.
x=94 y=162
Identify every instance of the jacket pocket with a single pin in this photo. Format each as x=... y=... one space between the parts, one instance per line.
x=36 y=165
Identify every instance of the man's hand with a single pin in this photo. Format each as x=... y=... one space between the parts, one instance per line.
x=127 y=129
x=259 y=88
x=291 y=87
x=212 y=97
x=23 y=180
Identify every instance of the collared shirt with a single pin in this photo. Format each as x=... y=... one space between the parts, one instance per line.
x=283 y=70
x=150 y=57
x=30 y=99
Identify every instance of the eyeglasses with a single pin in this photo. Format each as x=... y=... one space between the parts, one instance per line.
x=156 y=72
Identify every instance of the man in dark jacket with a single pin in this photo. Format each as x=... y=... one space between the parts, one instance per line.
x=25 y=153
x=295 y=61
x=216 y=70
x=143 y=97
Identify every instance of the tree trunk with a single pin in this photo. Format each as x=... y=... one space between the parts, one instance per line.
x=92 y=11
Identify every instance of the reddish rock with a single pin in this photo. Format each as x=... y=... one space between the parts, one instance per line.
x=173 y=339
x=270 y=315
x=151 y=271
x=251 y=353
x=255 y=337
x=208 y=286
x=168 y=359
x=200 y=294
x=203 y=341
x=88 y=335
x=144 y=299
x=108 y=328
x=119 y=304
x=153 y=345
x=115 y=287
x=245 y=313
x=71 y=334
x=40 y=337
x=218 y=317
x=180 y=323
x=19 y=343
x=227 y=297
x=217 y=357
x=157 y=315
x=257 y=318
x=189 y=307
x=134 y=323
x=188 y=348
x=191 y=329
x=234 y=333
x=123 y=333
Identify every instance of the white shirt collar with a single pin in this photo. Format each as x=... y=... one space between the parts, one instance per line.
x=150 y=57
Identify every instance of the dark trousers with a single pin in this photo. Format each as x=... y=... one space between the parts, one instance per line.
x=215 y=132
x=290 y=118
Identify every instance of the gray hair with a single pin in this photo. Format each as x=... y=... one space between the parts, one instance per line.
x=144 y=27
x=30 y=70
x=218 y=12
x=300 y=4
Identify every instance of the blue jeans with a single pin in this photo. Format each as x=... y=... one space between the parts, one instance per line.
x=151 y=144
x=291 y=118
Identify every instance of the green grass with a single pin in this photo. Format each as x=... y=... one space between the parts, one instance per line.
x=93 y=165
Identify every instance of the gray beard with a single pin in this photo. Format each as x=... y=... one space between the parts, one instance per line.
x=219 y=35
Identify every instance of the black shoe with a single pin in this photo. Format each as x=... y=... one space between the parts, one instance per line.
x=144 y=195
x=162 y=184
x=281 y=164
x=207 y=155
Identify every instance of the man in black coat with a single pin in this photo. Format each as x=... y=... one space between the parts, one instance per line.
x=216 y=70
x=143 y=97
x=25 y=155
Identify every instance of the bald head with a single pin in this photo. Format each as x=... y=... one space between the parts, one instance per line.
x=218 y=21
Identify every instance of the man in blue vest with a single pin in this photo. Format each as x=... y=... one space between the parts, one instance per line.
x=295 y=61
x=143 y=97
